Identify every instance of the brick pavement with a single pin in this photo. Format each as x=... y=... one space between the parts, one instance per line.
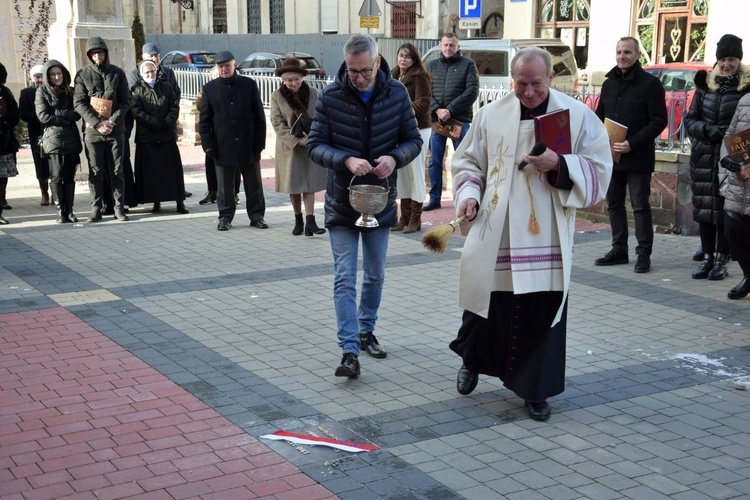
x=146 y=359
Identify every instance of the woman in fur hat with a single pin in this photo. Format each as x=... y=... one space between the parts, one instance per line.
x=714 y=103
x=292 y=109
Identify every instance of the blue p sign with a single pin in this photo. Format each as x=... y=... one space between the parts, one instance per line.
x=470 y=8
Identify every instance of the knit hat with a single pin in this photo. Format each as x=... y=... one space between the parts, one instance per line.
x=36 y=70
x=291 y=65
x=729 y=46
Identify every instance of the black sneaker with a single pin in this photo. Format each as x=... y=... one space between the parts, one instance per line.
x=369 y=344
x=643 y=264
x=349 y=366
x=611 y=258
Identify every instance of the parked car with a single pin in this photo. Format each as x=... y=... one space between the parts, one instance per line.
x=493 y=55
x=198 y=59
x=265 y=63
x=679 y=83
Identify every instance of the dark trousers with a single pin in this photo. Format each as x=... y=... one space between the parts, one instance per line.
x=712 y=238
x=251 y=181
x=106 y=153
x=638 y=184
x=737 y=233
x=211 y=181
x=437 y=154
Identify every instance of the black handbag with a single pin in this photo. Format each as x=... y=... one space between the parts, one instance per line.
x=301 y=126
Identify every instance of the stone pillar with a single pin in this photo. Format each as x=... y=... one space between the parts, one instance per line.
x=78 y=20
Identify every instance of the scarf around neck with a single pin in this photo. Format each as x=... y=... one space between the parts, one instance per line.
x=297 y=101
x=727 y=82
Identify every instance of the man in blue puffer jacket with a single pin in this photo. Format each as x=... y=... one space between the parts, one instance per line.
x=364 y=126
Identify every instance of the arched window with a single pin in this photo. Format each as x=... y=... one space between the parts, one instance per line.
x=567 y=20
x=671 y=30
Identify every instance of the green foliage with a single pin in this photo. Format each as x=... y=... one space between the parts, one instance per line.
x=139 y=36
x=697 y=39
x=646 y=36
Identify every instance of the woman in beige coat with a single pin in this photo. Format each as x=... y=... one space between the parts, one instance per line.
x=292 y=108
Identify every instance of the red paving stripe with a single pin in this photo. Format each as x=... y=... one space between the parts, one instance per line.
x=79 y=415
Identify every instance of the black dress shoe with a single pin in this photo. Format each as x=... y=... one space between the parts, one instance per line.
x=349 y=366
x=369 y=344
x=259 y=223
x=698 y=255
x=156 y=207
x=224 y=225
x=433 y=205
x=6 y=206
x=612 y=258
x=467 y=381
x=3 y=220
x=538 y=410
x=740 y=291
x=643 y=264
x=188 y=194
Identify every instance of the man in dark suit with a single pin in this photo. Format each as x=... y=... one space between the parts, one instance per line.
x=28 y=114
x=233 y=132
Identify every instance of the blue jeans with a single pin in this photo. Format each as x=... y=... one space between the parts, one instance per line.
x=345 y=247
x=437 y=152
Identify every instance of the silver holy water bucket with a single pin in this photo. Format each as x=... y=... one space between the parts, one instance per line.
x=368 y=200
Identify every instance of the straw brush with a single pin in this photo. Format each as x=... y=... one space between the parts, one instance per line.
x=436 y=239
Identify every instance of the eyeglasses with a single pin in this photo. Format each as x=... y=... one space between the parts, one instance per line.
x=365 y=73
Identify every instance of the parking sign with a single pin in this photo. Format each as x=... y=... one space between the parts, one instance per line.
x=470 y=8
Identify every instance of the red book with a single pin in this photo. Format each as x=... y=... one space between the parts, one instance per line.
x=553 y=129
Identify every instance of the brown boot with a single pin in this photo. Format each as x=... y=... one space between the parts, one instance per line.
x=415 y=221
x=406 y=205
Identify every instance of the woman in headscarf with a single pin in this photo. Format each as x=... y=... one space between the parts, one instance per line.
x=716 y=97
x=292 y=108
x=61 y=143
x=9 y=118
x=158 y=166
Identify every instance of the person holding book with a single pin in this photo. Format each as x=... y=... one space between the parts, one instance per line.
x=518 y=212
x=102 y=97
x=633 y=99
x=716 y=97
x=410 y=185
x=61 y=143
x=737 y=194
x=455 y=87
x=292 y=109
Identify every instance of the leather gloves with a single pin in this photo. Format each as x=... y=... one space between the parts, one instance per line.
x=728 y=163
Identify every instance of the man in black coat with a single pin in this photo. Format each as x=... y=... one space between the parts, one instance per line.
x=27 y=108
x=635 y=99
x=233 y=132
x=102 y=97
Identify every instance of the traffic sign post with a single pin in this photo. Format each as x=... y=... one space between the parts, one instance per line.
x=470 y=14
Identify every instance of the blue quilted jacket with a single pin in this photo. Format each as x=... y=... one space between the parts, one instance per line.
x=344 y=126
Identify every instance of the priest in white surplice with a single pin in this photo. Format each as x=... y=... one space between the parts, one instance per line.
x=515 y=269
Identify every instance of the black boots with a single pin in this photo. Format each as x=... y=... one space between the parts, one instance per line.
x=349 y=366
x=311 y=227
x=701 y=272
x=719 y=271
x=403 y=221
x=740 y=290
x=299 y=225
x=181 y=207
x=64 y=194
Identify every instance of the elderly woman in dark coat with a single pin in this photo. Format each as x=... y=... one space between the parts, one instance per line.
x=158 y=166
x=9 y=118
x=716 y=98
x=292 y=109
x=61 y=143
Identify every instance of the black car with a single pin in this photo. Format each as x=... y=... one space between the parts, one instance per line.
x=265 y=63
x=199 y=59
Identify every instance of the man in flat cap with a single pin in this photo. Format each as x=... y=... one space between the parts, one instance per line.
x=233 y=132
